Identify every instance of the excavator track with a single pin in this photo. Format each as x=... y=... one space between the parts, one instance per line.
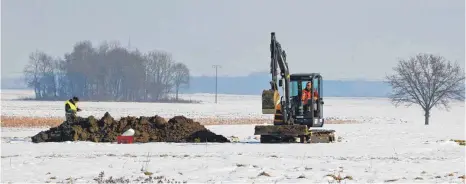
x=322 y=136
x=293 y=134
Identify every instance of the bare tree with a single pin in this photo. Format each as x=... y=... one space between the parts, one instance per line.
x=426 y=80
x=159 y=71
x=31 y=72
x=181 y=76
x=38 y=73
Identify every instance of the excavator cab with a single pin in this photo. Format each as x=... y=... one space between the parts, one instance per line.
x=307 y=111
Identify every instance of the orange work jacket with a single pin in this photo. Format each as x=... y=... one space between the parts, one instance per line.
x=307 y=95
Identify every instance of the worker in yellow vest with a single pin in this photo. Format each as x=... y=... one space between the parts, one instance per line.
x=71 y=108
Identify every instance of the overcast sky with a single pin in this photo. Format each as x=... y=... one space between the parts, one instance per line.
x=357 y=39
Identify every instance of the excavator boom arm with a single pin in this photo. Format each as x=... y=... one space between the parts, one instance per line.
x=272 y=97
x=278 y=61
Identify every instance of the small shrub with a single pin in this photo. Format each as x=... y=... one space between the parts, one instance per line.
x=339 y=178
x=263 y=173
x=392 y=180
x=460 y=142
x=240 y=165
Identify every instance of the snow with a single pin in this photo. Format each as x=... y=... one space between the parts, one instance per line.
x=229 y=106
x=388 y=144
x=374 y=110
x=14 y=94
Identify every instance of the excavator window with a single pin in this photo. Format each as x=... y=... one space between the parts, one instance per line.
x=315 y=84
x=296 y=89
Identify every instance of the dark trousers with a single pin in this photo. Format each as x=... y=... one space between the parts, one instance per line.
x=70 y=117
x=307 y=109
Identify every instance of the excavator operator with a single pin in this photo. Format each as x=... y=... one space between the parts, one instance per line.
x=307 y=95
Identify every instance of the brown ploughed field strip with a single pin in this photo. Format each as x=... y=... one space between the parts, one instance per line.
x=30 y=122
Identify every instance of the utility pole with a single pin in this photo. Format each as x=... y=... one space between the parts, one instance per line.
x=216 y=69
x=129 y=43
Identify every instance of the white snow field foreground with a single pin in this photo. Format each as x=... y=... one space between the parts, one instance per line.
x=388 y=145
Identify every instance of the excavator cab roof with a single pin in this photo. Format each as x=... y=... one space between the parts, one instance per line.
x=304 y=76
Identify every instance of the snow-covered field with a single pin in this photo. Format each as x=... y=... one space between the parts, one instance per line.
x=374 y=110
x=229 y=106
x=390 y=144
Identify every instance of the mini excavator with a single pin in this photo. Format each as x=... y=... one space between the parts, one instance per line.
x=294 y=120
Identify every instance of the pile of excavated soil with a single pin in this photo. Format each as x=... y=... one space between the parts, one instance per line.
x=147 y=129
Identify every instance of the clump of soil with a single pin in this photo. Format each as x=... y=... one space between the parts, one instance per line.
x=147 y=129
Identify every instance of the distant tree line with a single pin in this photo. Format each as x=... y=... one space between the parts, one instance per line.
x=107 y=73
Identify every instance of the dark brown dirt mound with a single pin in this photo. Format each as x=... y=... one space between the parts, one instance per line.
x=147 y=129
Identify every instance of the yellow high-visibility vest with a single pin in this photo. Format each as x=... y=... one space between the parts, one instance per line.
x=72 y=106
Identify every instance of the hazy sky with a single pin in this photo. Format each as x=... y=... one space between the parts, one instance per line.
x=341 y=39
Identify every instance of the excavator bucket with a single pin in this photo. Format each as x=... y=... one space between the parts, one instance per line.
x=270 y=98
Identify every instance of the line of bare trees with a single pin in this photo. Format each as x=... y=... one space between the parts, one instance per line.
x=106 y=73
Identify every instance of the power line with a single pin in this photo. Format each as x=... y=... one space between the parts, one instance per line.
x=216 y=72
